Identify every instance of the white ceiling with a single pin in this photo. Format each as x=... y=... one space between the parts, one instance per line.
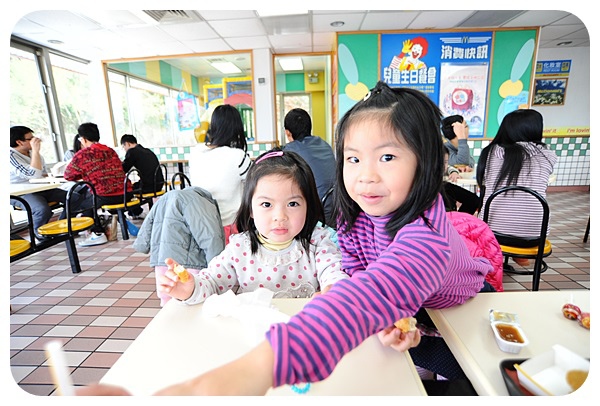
x=116 y=34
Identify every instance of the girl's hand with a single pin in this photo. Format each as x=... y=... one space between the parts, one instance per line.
x=170 y=284
x=393 y=337
x=323 y=290
x=453 y=177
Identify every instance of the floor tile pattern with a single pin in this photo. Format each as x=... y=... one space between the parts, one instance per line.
x=99 y=312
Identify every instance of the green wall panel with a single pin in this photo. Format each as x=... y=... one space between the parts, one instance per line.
x=358 y=68
x=294 y=82
x=166 y=77
x=512 y=68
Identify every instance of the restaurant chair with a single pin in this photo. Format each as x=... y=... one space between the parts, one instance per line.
x=331 y=221
x=180 y=180
x=539 y=247
x=69 y=228
x=121 y=209
x=160 y=188
x=20 y=247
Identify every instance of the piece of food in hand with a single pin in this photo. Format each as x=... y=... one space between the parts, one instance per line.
x=571 y=312
x=406 y=324
x=183 y=274
x=584 y=320
x=576 y=378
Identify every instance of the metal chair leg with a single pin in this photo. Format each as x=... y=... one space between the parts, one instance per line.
x=73 y=257
x=587 y=231
x=123 y=223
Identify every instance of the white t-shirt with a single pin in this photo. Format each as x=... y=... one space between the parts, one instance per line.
x=222 y=172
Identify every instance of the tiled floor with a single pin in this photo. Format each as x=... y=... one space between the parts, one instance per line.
x=99 y=312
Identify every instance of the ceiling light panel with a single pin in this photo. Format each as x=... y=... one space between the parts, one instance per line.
x=286 y=25
x=291 y=64
x=226 y=67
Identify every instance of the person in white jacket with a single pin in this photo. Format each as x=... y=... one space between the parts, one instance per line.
x=220 y=165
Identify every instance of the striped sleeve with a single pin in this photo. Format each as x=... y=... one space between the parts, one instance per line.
x=310 y=345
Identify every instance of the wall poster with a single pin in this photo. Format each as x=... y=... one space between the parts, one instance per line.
x=550 y=92
x=187 y=112
x=463 y=90
x=451 y=68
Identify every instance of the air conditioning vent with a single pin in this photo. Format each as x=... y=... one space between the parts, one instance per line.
x=173 y=16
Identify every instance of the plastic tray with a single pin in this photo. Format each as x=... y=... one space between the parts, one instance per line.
x=511 y=379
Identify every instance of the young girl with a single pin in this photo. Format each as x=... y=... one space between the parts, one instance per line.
x=280 y=247
x=516 y=156
x=396 y=242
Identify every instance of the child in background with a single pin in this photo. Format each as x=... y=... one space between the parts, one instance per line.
x=456 y=131
x=279 y=247
x=397 y=244
x=468 y=202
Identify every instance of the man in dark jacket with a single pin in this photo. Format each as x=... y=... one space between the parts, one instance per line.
x=145 y=161
x=315 y=151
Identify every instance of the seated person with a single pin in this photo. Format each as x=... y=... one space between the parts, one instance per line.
x=27 y=163
x=456 y=132
x=145 y=161
x=100 y=165
x=457 y=198
x=76 y=147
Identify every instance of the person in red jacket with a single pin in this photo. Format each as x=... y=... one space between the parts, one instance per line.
x=100 y=165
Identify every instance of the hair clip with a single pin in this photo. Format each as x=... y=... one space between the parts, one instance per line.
x=269 y=155
x=367 y=96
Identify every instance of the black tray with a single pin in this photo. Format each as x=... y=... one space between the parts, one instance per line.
x=511 y=379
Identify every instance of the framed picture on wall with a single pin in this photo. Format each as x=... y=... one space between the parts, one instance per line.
x=550 y=92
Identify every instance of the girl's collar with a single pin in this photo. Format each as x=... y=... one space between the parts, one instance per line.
x=273 y=246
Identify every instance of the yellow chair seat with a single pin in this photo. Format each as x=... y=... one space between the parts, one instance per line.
x=18 y=246
x=61 y=226
x=133 y=202
x=508 y=250
x=149 y=195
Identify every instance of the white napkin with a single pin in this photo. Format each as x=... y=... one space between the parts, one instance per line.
x=253 y=309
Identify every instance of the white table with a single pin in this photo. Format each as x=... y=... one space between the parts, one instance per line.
x=466 y=329
x=19 y=189
x=180 y=343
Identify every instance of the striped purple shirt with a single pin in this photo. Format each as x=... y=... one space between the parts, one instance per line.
x=391 y=279
x=535 y=174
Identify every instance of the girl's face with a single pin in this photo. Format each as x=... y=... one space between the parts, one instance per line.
x=278 y=208
x=378 y=169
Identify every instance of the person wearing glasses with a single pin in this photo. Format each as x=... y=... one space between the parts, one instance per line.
x=26 y=162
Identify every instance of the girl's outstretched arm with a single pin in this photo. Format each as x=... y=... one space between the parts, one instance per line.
x=251 y=374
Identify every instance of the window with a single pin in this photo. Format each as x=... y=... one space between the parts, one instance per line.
x=49 y=93
x=147 y=110
x=27 y=100
x=75 y=98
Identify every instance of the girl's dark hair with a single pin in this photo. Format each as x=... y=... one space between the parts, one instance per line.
x=76 y=143
x=227 y=129
x=525 y=125
x=290 y=165
x=415 y=120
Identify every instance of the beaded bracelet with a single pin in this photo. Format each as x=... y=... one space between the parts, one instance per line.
x=301 y=390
